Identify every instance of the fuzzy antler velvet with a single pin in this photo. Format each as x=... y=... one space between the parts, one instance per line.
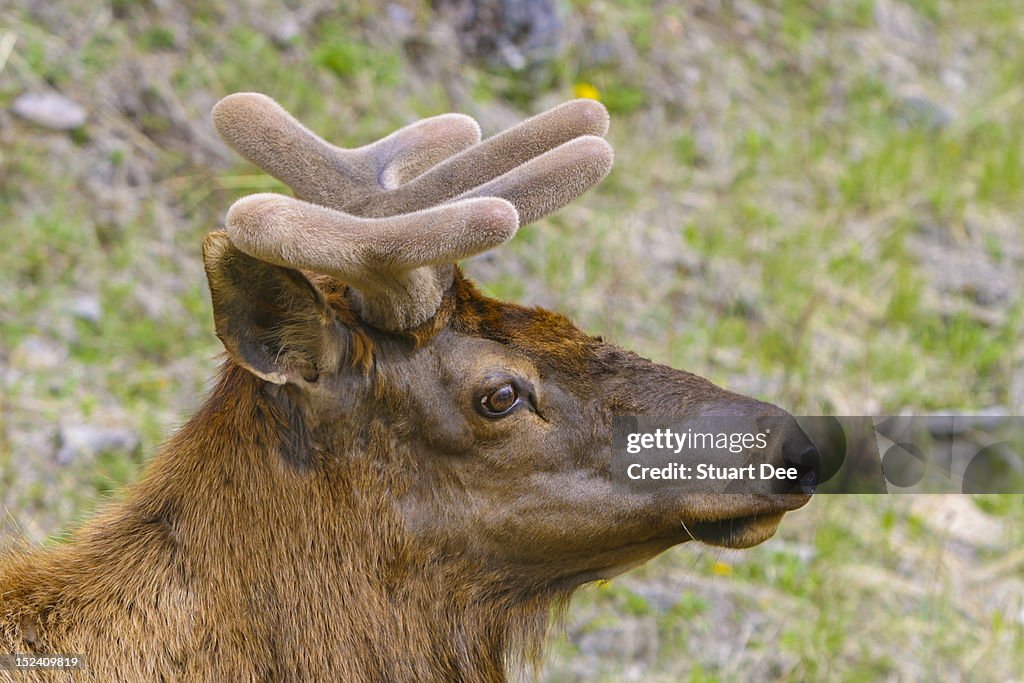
x=391 y=217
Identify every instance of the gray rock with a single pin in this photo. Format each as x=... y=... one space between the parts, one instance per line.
x=38 y=353
x=400 y=19
x=917 y=110
x=965 y=270
x=87 y=308
x=78 y=441
x=285 y=33
x=899 y=21
x=957 y=518
x=50 y=110
x=509 y=33
x=954 y=80
x=750 y=12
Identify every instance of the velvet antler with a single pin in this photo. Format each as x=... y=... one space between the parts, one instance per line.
x=391 y=217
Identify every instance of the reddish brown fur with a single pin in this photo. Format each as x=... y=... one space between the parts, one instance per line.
x=209 y=569
x=347 y=528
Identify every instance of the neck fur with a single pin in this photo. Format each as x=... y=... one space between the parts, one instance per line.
x=228 y=555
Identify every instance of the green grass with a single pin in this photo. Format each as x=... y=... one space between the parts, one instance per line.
x=763 y=227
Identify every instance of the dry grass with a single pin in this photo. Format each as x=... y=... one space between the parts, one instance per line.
x=815 y=202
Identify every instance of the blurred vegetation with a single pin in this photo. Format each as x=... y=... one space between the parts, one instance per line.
x=817 y=202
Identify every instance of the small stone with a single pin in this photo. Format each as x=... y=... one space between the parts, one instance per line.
x=917 y=110
x=50 y=110
x=87 y=308
x=286 y=32
x=900 y=22
x=38 y=353
x=400 y=19
x=511 y=54
x=78 y=441
x=954 y=80
x=750 y=12
x=959 y=519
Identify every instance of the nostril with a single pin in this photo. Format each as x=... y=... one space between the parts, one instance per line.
x=807 y=462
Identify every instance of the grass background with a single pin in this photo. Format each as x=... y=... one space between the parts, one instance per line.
x=815 y=202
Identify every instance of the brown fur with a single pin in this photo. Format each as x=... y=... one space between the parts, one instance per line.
x=224 y=563
x=353 y=518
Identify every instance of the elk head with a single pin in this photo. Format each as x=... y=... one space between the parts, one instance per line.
x=460 y=427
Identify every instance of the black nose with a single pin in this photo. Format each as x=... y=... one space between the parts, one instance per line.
x=798 y=452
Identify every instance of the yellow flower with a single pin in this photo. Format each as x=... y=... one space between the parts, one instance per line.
x=722 y=569
x=586 y=91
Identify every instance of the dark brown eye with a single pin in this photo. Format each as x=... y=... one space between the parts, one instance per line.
x=499 y=401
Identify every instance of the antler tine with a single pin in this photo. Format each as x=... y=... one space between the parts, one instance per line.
x=404 y=172
x=399 y=266
x=550 y=181
x=263 y=132
x=411 y=150
x=511 y=150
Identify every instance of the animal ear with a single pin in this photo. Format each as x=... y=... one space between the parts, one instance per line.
x=272 y=320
